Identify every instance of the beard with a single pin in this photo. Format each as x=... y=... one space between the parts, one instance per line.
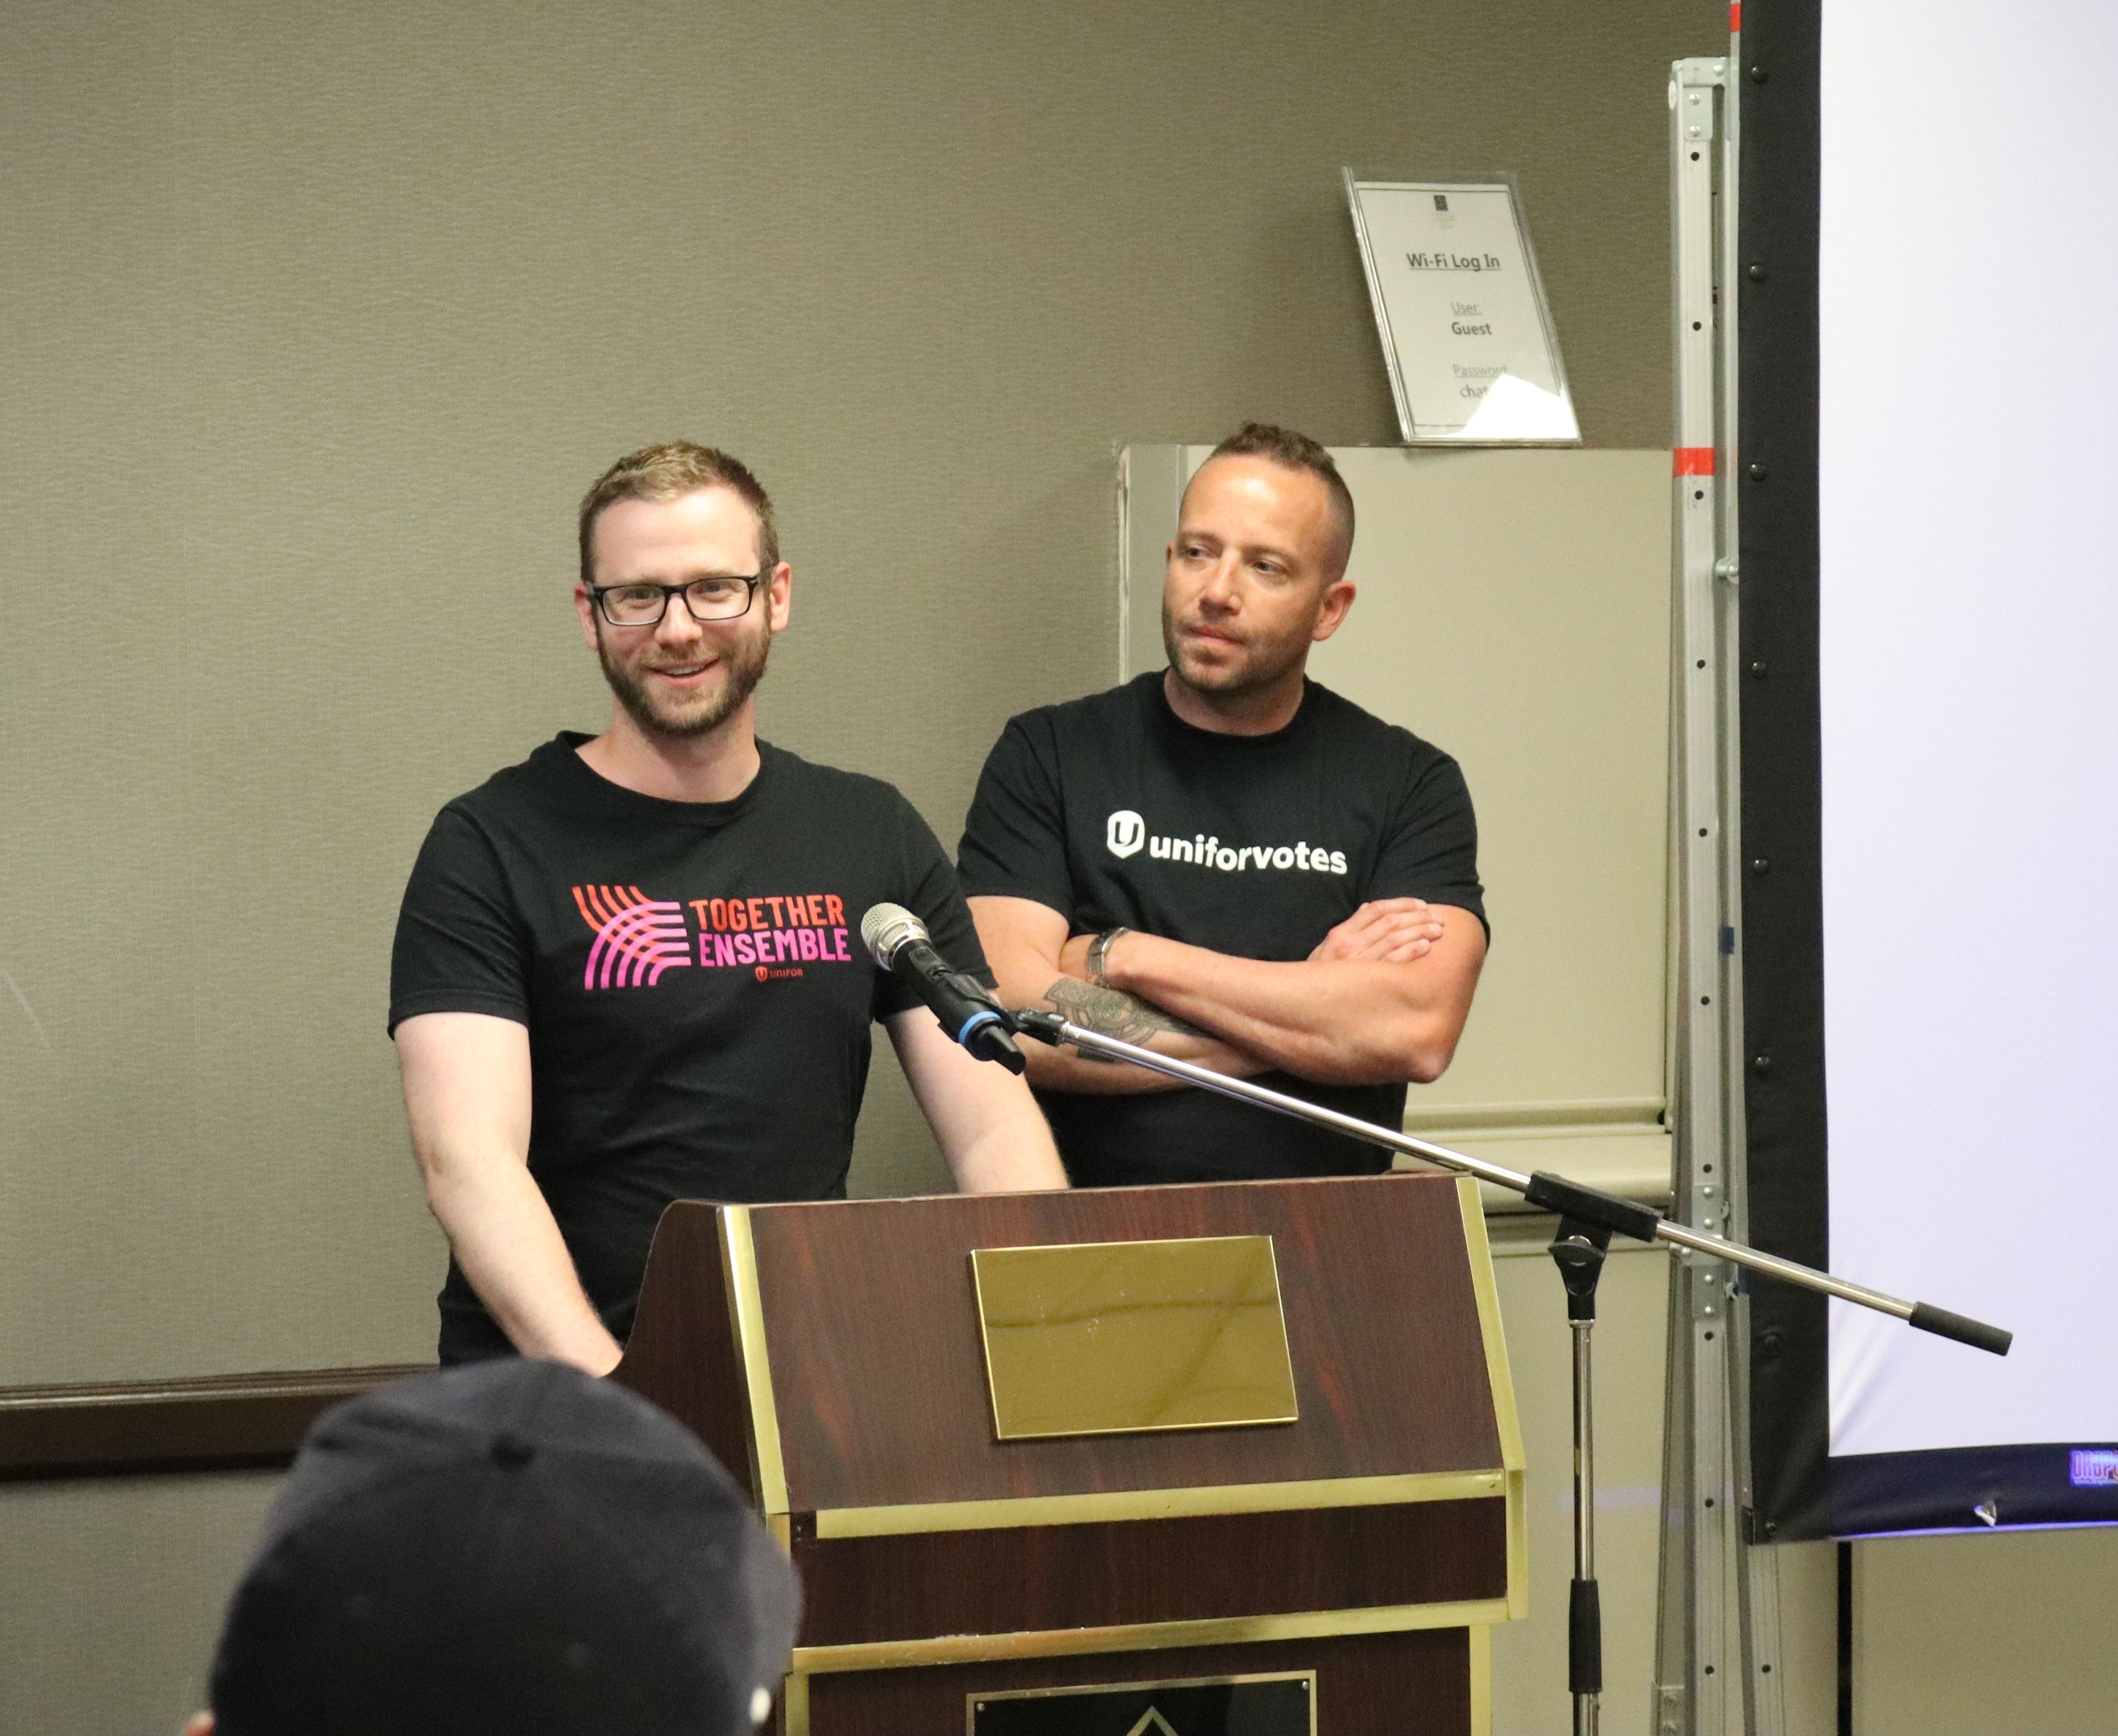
x=686 y=718
x=1263 y=664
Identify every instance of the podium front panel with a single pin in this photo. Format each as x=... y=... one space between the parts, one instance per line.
x=831 y=1354
x=870 y=1327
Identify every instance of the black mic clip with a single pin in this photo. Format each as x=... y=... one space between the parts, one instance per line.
x=1047 y=1027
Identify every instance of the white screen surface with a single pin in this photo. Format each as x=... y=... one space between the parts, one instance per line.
x=1969 y=469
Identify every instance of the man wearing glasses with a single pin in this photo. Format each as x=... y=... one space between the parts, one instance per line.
x=628 y=970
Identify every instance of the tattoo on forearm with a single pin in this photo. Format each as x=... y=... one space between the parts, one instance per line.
x=1113 y=1013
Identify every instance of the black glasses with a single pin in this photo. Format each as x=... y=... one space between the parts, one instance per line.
x=640 y=603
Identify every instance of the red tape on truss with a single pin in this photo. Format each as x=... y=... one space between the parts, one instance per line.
x=1695 y=461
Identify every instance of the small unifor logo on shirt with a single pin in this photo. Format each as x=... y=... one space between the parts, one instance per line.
x=766 y=976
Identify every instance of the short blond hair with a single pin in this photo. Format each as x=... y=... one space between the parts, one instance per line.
x=667 y=472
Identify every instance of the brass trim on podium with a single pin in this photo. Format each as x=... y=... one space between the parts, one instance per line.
x=1517 y=1548
x=978 y=1648
x=1483 y=1288
x=747 y=1302
x=1198 y=1502
x=1501 y=1381
x=1482 y=1679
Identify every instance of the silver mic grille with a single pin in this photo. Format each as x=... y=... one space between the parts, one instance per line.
x=886 y=927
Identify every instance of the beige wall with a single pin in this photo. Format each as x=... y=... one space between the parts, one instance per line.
x=1976 y=1635
x=111 y=1596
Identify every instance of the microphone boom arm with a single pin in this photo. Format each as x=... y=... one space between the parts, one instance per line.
x=1553 y=1193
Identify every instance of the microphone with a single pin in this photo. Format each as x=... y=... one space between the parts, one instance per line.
x=901 y=945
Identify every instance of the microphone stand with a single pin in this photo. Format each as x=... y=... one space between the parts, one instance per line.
x=1578 y=1249
x=1587 y=1218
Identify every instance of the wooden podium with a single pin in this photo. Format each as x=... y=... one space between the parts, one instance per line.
x=831 y=1355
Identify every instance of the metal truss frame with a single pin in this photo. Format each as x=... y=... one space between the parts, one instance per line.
x=1714 y=1587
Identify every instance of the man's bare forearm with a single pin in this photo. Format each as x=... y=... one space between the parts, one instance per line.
x=467 y=1099
x=988 y=1124
x=1113 y=1013
x=1132 y=1019
x=1352 y=1021
x=508 y=1243
x=1033 y=958
x=1006 y=1159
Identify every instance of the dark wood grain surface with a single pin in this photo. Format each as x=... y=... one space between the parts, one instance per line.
x=1383 y=1684
x=682 y=1353
x=880 y=1376
x=931 y=1583
x=221 y=1422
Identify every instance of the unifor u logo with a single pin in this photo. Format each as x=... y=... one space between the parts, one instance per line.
x=1125 y=833
x=636 y=937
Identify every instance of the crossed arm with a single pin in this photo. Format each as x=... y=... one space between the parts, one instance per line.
x=467 y=1095
x=1383 y=997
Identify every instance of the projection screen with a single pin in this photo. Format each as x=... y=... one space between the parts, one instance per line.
x=1964 y=768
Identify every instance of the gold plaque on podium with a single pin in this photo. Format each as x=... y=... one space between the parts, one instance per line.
x=1119 y=1338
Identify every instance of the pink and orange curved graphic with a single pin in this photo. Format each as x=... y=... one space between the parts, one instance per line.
x=636 y=937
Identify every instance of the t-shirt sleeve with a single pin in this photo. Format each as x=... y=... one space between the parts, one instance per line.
x=1015 y=837
x=1431 y=851
x=461 y=946
x=928 y=889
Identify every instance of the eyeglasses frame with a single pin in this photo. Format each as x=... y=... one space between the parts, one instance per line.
x=752 y=582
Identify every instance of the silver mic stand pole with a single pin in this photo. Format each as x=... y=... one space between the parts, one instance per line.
x=1578 y=1250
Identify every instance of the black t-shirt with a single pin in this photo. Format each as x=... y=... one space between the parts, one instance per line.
x=1112 y=810
x=698 y=999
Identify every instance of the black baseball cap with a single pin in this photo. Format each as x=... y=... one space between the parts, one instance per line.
x=511 y=1549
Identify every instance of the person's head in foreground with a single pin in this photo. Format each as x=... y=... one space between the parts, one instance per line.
x=511 y=1548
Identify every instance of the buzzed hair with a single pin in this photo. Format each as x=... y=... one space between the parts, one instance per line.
x=1294 y=451
x=667 y=472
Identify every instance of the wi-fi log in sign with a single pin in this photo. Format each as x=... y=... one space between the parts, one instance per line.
x=1217 y=1706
